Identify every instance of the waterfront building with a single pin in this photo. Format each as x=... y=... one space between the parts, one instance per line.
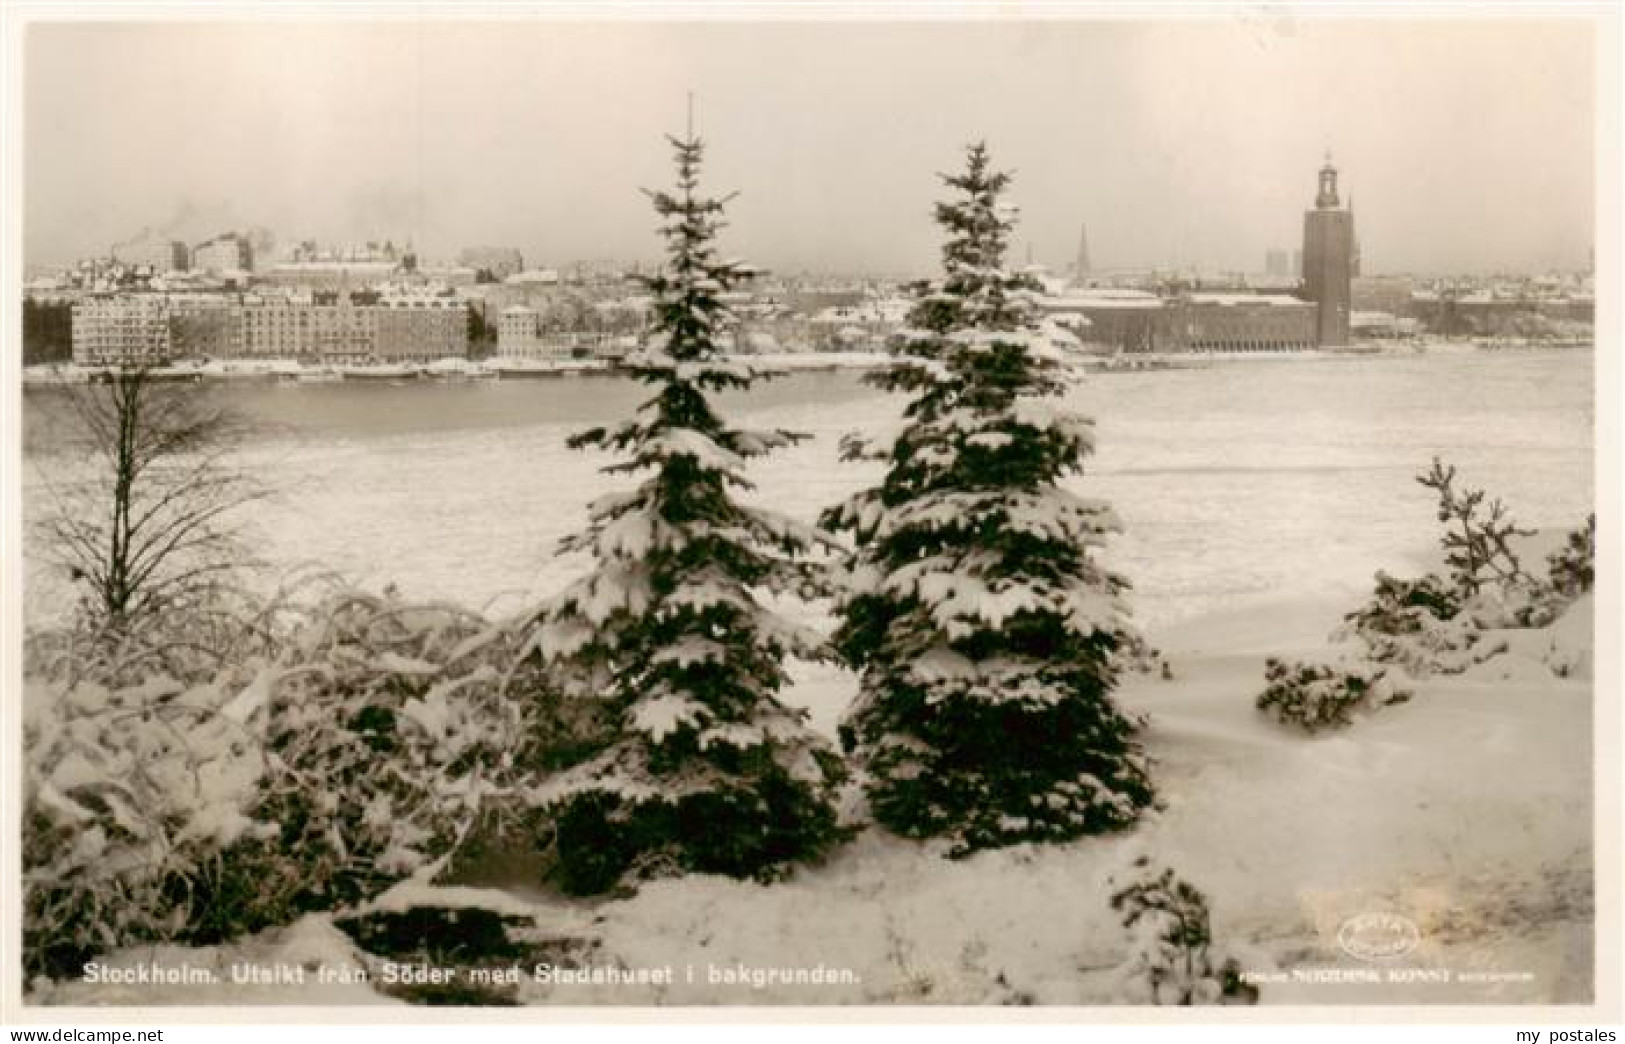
x=1111 y=319
x=420 y=328
x=1124 y=320
x=150 y=329
x=293 y=328
x=518 y=332
x=121 y=330
x=520 y=335
x=200 y=324
x=1242 y=323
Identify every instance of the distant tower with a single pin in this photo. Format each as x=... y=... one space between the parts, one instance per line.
x=1083 y=252
x=1328 y=261
x=1354 y=262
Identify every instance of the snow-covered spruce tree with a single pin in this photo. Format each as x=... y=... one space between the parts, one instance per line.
x=982 y=628
x=704 y=769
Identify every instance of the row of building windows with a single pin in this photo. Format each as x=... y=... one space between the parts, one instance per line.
x=112 y=332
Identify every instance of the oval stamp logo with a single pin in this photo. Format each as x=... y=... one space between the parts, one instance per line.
x=1378 y=936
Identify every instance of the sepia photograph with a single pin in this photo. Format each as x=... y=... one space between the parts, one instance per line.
x=1094 y=510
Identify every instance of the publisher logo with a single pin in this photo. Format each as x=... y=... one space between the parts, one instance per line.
x=1378 y=936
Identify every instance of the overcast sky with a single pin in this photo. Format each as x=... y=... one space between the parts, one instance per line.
x=1465 y=145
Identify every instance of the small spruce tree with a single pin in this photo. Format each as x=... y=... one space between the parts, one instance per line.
x=704 y=768
x=982 y=628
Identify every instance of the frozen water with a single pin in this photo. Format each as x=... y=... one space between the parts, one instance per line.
x=1235 y=484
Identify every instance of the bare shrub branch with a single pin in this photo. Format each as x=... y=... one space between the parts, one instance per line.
x=149 y=528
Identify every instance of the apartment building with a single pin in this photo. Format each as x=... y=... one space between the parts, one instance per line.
x=121 y=331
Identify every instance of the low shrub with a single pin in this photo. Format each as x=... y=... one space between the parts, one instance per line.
x=136 y=777
x=388 y=731
x=1171 y=960
x=1478 y=535
x=1571 y=570
x=191 y=785
x=1423 y=626
x=1433 y=624
x=1401 y=607
x=1317 y=697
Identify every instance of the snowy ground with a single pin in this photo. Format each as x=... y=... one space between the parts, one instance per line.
x=1466 y=810
x=1257 y=506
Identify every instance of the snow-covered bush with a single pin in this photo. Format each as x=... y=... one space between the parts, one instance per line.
x=135 y=777
x=1433 y=624
x=984 y=629
x=1316 y=697
x=1401 y=607
x=1476 y=543
x=191 y=780
x=128 y=793
x=389 y=730
x=195 y=641
x=1571 y=569
x=705 y=768
x=1171 y=939
x=1418 y=625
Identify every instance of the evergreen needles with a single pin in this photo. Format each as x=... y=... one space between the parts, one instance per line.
x=982 y=628
x=704 y=768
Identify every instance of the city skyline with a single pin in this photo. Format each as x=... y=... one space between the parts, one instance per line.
x=1176 y=143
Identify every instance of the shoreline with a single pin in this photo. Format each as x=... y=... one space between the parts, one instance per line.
x=460 y=370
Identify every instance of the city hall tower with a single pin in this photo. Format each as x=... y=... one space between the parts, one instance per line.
x=1328 y=261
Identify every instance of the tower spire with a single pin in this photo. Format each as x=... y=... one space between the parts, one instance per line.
x=1326 y=199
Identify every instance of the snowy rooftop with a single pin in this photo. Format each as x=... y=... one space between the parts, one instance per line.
x=334 y=266
x=534 y=275
x=1270 y=300
x=1104 y=298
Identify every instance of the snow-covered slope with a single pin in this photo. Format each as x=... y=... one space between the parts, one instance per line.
x=1466 y=811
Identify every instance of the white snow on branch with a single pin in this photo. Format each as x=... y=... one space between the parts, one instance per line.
x=664 y=715
x=962 y=599
x=688 y=442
